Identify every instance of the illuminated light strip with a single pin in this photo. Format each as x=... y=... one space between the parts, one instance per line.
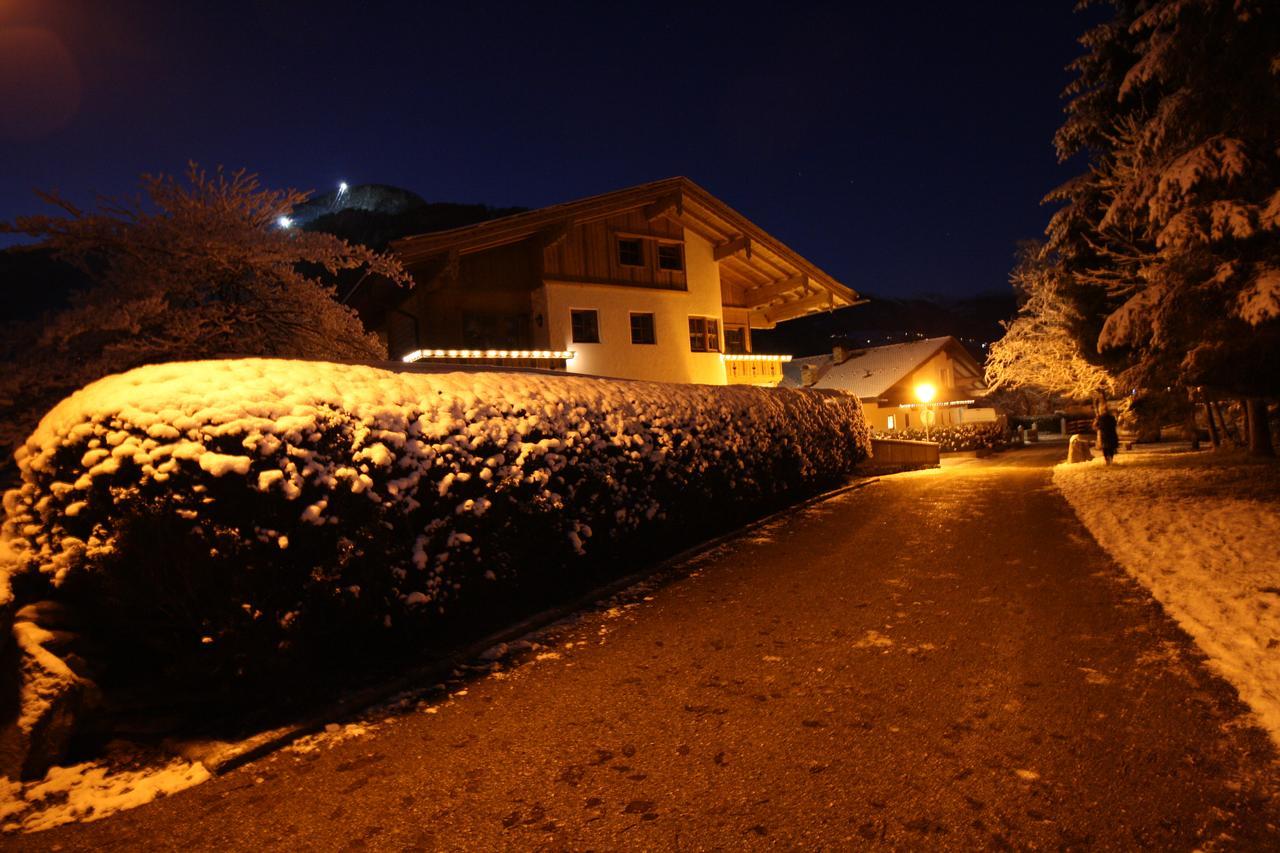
x=931 y=405
x=422 y=354
x=742 y=357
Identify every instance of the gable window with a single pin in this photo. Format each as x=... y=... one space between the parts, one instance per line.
x=585 y=326
x=891 y=422
x=735 y=340
x=642 y=331
x=670 y=257
x=704 y=334
x=631 y=252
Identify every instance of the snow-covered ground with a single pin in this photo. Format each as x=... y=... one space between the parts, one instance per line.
x=91 y=791
x=1201 y=531
x=129 y=775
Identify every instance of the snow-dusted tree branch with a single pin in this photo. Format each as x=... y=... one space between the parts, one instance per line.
x=190 y=268
x=1040 y=348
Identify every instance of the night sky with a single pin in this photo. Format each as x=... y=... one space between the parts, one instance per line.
x=903 y=147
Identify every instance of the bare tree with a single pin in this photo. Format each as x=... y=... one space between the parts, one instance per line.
x=1041 y=348
x=192 y=268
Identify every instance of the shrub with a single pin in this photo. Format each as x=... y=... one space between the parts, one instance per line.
x=961 y=437
x=226 y=519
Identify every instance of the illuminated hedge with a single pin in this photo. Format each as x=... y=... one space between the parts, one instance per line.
x=951 y=438
x=228 y=513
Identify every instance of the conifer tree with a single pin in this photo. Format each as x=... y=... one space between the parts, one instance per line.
x=1171 y=236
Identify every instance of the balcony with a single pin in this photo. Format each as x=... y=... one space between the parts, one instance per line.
x=539 y=359
x=753 y=368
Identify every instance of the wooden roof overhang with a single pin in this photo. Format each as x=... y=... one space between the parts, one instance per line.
x=776 y=281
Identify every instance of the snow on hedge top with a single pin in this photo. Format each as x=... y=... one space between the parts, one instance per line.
x=407 y=439
x=176 y=403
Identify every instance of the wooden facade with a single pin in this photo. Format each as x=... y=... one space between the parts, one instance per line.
x=588 y=253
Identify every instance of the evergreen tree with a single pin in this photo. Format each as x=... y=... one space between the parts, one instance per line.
x=1172 y=236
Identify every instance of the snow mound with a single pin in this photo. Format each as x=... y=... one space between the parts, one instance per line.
x=1199 y=531
x=224 y=509
x=87 y=792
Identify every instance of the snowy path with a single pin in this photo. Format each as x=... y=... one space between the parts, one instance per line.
x=940 y=660
x=1202 y=532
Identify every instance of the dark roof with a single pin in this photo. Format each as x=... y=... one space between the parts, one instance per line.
x=782 y=281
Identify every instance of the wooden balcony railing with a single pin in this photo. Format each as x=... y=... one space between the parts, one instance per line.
x=753 y=368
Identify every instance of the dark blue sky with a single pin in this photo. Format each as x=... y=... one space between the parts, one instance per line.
x=904 y=147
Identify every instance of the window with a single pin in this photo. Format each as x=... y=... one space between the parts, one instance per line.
x=670 y=256
x=890 y=422
x=735 y=340
x=487 y=331
x=642 y=331
x=586 y=327
x=906 y=420
x=704 y=334
x=631 y=253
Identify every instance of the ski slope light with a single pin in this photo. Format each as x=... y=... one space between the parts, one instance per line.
x=284 y=222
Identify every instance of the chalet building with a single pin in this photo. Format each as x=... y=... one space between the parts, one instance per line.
x=887 y=379
x=659 y=282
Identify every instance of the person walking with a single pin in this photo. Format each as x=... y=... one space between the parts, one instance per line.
x=1108 y=437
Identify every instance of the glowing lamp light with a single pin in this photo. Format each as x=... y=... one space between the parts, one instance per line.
x=284 y=221
x=925 y=393
x=342 y=187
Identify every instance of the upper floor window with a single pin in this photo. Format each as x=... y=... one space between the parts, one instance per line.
x=670 y=256
x=630 y=252
x=642 y=330
x=585 y=326
x=704 y=334
x=735 y=340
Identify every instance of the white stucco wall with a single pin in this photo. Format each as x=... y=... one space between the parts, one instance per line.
x=668 y=360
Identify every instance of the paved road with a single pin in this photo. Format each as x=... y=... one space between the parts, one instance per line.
x=938 y=660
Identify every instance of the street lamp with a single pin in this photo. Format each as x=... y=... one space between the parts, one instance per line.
x=925 y=393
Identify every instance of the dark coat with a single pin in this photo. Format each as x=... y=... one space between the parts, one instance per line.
x=1105 y=424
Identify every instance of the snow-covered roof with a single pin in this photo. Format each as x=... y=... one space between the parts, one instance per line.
x=867 y=373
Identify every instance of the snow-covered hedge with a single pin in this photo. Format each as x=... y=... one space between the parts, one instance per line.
x=958 y=437
x=228 y=513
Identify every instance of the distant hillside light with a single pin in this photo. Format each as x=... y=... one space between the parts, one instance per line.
x=284 y=222
x=342 y=187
